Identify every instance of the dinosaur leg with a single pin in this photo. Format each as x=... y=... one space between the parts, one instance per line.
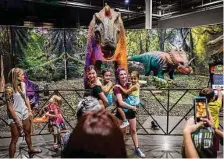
x=155 y=73
x=171 y=74
x=98 y=67
x=161 y=74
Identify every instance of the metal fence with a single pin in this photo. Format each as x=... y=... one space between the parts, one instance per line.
x=166 y=107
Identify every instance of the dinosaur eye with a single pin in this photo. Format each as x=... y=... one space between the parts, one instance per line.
x=97 y=19
x=181 y=63
x=97 y=35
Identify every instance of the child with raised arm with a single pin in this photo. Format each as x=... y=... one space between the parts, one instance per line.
x=107 y=86
x=56 y=120
x=214 y=105
x=133 y=96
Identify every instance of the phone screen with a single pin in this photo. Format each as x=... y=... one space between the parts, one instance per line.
x=200 y=108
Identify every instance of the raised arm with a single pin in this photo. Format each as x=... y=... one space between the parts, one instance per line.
x=219 y=90
x=190 y=150
x=190 y=127
x=129 y=90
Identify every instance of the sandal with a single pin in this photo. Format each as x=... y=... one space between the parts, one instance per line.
x=55 y=146
x=33 y=152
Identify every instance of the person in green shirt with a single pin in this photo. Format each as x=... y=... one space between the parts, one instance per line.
x=96 y=86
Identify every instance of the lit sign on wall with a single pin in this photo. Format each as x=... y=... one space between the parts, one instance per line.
x=217 y=75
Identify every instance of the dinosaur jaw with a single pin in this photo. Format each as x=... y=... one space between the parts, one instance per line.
x=108 y=54
x=184 y=69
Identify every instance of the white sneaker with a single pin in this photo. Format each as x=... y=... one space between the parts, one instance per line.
x=139 y=152
x=124 y=124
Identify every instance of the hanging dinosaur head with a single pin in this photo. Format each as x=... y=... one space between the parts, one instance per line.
x=180 y=59
x=106 y=40
x=107 y=26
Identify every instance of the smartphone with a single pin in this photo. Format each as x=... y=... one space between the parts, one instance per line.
x=200 y=108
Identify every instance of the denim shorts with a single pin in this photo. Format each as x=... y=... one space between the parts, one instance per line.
x=20 y=115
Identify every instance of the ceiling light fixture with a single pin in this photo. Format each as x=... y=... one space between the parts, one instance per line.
x=126 y=1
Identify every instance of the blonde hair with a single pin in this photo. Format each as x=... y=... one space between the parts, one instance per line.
x=57 y=99
x=13 y=78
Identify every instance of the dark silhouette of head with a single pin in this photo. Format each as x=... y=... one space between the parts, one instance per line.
x=87 y=104
x=96 y=135
x=208 y=93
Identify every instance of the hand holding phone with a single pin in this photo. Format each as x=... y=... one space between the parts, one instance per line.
x=201 y=108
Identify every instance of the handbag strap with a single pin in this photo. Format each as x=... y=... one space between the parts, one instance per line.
x=22 y=95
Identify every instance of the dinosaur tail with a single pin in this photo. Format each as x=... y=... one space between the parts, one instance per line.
x=2 y=78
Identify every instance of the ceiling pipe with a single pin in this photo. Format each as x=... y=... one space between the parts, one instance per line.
x=200 y=8
x=208 y=4
x=196 y=11
x=148 y=14
x=82 y=5
x=124 y=11
x=172 y=14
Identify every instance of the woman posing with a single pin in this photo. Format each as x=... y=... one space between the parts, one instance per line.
x=96 y=86
x=130 y=114
x=19 y=111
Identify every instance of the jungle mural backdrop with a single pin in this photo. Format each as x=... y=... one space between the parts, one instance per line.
x=56 y=54
x=56 y=58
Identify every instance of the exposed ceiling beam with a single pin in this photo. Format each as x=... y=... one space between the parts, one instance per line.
x=82 y=5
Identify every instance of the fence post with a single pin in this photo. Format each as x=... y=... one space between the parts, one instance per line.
x=167 y=110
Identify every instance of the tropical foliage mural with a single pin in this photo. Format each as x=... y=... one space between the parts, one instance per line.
x=55 y=54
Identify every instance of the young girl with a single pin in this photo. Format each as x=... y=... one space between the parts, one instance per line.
x=107 y=86
x=19 y=111
x=95 y=85
x=133 y=96
x=56 y=121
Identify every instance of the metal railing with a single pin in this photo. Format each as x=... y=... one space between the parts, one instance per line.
x=71 y=97
x=168 y=108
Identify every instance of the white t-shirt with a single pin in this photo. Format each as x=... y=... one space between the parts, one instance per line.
x=19 y=103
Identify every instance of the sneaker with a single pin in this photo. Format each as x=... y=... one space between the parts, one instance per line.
x=154 y=126
x=124 y=124
x=139 y=152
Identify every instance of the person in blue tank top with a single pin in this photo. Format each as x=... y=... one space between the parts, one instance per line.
x=107 y=86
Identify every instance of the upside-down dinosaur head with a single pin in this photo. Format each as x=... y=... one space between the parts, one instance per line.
x=107 y=31
x=180 y=58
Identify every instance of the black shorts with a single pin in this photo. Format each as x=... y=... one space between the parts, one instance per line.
x=130 y=114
